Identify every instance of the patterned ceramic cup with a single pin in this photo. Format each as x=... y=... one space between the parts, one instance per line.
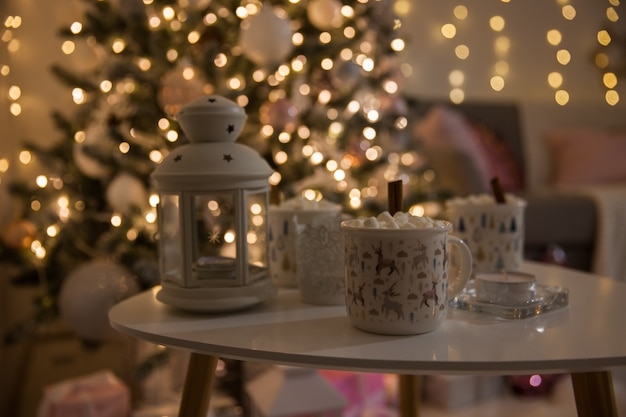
x=319 y=260
x=284 y=221
x=398 y=281
x=493 y=232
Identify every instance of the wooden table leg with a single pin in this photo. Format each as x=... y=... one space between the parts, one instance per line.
x=594 y=394
x=409 y=393
x=198 y=383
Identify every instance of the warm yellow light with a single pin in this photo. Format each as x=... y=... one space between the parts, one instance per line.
x=106 y=86
x=554 y=37
x=497 y=83
x=602 y=60
x=497 y=23
x=76 y=27
x=154 y=22
x=124 y=147
x=116 y=220
x=280 y=157
x=15 y=92
x=368 y=64
x=460 y=12
x=563 y=56
x=402 y=7
x=502 y=68
x=25 y=157
x=611 y=15
x=457 y=95
x=144 y=64
x=275 y=178
x=52 y=231
x=456 y=78
x=372 y=115
x=68 y=47
x=448 y=30
x=603 y=37
x=168 y=13
x=372 y=154
x=561 y=97
x=339 y=175
x=317 y=158
x=609 y=79
x=155 y=156
x=171 y=136
x=502 y=44
x=390 y=87
x=14 y=45
x=118 y=45
x=569 y=12
x=171 y=55
x=612 y=97
x=462 y=51
x=150 y=217
x=555 y=79
x=397 y=45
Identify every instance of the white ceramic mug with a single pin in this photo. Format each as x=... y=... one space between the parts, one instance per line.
x=284 y=221
x=397 y=280
x=493 y=232
x=319 y=260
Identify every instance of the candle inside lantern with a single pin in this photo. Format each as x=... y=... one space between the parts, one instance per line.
x=506 y=287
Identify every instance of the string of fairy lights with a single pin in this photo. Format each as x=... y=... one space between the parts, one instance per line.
x=338 y=167
x=554 y=39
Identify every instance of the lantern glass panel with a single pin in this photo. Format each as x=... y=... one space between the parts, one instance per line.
x=170 y=238
x=215 y=249
x=257 y=203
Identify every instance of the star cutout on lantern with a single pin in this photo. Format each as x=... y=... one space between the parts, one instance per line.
x=212 y=100
x=214 y=236
x=227 y=157
x=230 y=129
x=178 y=158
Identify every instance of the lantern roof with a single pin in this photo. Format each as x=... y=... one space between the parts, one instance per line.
x=212 y=159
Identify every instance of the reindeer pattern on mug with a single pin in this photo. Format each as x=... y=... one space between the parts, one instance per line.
x=391 y=280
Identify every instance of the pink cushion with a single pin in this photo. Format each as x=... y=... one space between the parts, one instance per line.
x=587 y=156
x=445 y=128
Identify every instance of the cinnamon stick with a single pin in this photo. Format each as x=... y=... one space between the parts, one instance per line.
x=394 y=196
x=498 y=193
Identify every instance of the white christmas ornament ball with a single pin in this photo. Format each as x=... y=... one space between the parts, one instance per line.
x=125 y=192
x=325 y=14
x=86 y=163
x=89 y=292
x=265 y=38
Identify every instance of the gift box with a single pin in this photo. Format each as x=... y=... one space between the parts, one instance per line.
x=287 y=391
x=454 y=391
x=100 y=394
x=363 y=391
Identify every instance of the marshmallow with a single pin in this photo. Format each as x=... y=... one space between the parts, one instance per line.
x=398 y=221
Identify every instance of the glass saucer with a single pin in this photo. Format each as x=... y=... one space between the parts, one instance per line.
x=547 y=298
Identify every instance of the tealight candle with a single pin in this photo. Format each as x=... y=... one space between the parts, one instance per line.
x=506 y=287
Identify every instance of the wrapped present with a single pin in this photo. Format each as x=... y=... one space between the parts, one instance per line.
x=454 y=391
x=363 y=391
x=287 y=391
x=100 y=394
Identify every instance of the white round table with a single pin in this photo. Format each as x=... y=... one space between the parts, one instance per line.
x=585 y=338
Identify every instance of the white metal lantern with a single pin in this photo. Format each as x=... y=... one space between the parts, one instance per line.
x=212 y=217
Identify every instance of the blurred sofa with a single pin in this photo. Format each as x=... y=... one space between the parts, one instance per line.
x=561 y=227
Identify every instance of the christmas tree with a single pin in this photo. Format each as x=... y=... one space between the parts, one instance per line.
x=320 y=81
